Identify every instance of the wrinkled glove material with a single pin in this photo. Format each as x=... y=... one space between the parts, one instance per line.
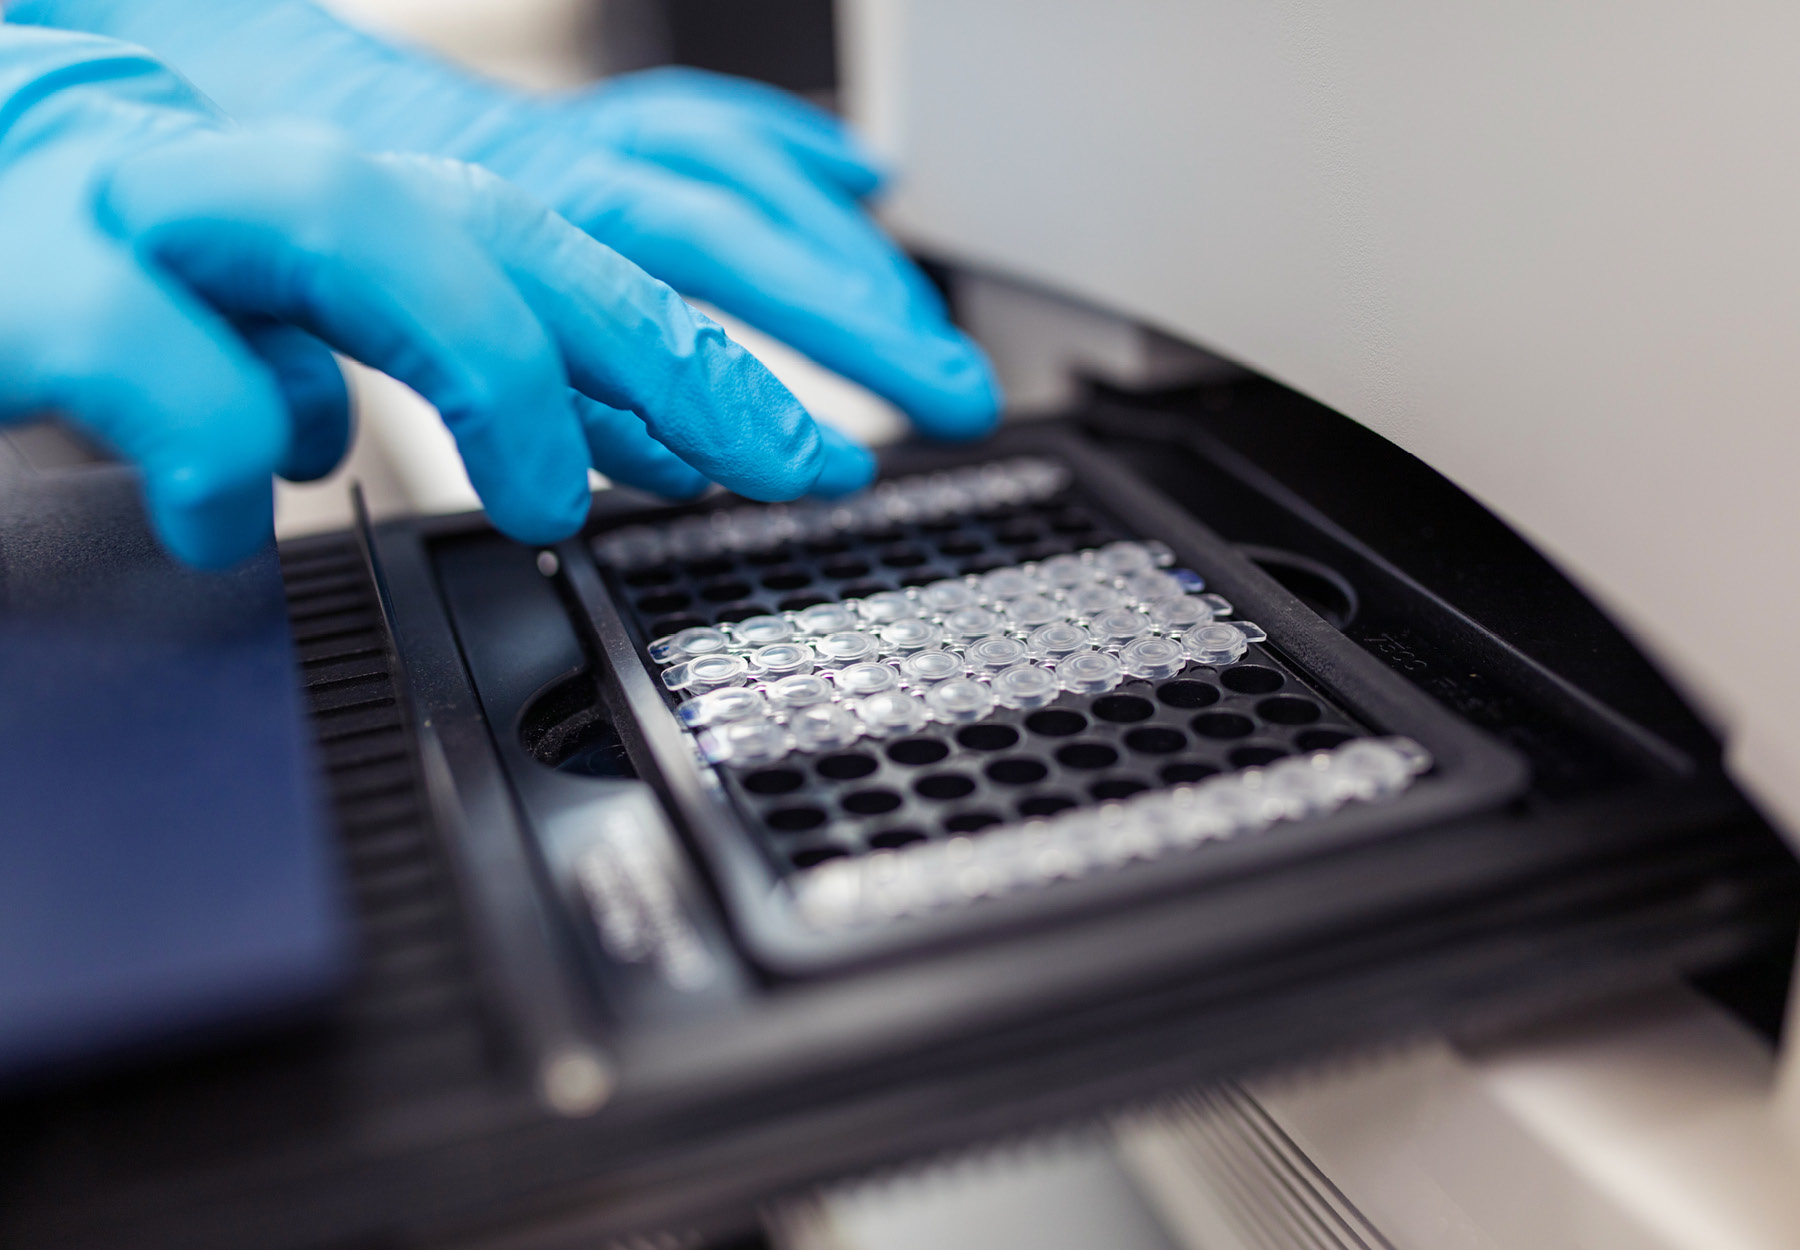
x=730 y=191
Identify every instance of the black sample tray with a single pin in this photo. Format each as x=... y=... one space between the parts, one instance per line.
x=1306 y=688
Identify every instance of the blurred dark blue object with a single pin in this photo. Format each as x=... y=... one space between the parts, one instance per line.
x=165 y=870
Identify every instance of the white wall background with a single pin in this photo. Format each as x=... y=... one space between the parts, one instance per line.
x=1549 y=247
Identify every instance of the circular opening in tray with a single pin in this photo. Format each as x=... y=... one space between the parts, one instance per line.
x=845 y=569
x=674 y=625
x=862 y=590
x=714 y=567
x=923 y=579
x=665 y=601
x=893 y=839
x=1045 y=805
x=1156 y=740
x=960 y=544
x=1253 y=756
x=1056 y=722
x=1187 y=693
x=871 y=802
x=799 y=603
x=904 y=556
x=1072 y=521
x=1223 y=725
x=1123 y=709
x=725 y=590
x=1251 y=679
x=829 y=546
x=817 y=855
x=945 y=786
x=1288 y=709
x=733 y=612
x=987 y=737
x=1087 y=755
x=795 y=819
x=986 y=564
x=1321 y=739
x=1017 y=772
x=657 y=575
x=774 y=781
x=917 y=751
x=970 y=822
x=1116 y=788
x=1018 y=533
x=1187 y=772
x=774 y=555
x=847 y=767
x=787 y=577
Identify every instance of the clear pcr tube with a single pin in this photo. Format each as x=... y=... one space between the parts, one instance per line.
x=761 y=631
x=860 y=680
x=924 y=668
x=886 y=607
x=801 y=690
x=1053 y=641
x=1089 y=672
x=995 y=652
x=1153 y=658
x=892 y=713
x=689 y=643
x=823 y=727
x=960 y=701
x=972 y=622
x=780 y=659
x=912 y=634
x=1024 y=686
x=847 y=646
x=948 y=596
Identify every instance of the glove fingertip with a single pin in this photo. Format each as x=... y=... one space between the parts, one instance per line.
x=218 y=530
x=845 y=467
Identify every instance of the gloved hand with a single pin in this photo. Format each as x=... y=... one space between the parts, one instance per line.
x=730 y=191
x=169 y=277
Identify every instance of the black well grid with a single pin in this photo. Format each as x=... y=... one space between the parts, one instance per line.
x=949 y=781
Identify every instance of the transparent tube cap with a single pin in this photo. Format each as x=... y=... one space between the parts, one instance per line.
x=1153 y=658
x=689 y=643
x=709 y=672
x=1222 y=642
x=1066 y=572
x=1090 y=672
x=1152 y=587
x=1087 y=602
x=1024 y=686
x=886 y=606
x=823 y=727
x=995 y=652
x=1121 y=559
x=950 y=595
x=1005 y=585
x=1053 y=641
x=1374 y=768
x=1117 y=626
x=747 y=742
x=801 y=690
x=781 y=659
x=722 y=707
x=892 y=713
x=761 y=631
x=860 y=680
x=825 y=618
x=972 y=622
x=924 y=668
x=906 y=636
x=960 y=701
x=847 y=646
x=1030 y=611
x=1175 y=616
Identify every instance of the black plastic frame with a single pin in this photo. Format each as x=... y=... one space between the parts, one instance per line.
x=1471 y=773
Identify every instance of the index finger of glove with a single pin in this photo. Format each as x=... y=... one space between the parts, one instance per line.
x=631 y=342
x=298 y=228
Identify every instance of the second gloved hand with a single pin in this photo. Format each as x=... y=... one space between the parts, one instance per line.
x=729 y=190
x=170 y=279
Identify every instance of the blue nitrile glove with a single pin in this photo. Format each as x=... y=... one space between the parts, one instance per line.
x=730 y=191
x=166 y=280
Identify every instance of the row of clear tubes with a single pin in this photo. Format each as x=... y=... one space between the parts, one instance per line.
x=922 y=497
x=927 y=876
x=952 y=652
